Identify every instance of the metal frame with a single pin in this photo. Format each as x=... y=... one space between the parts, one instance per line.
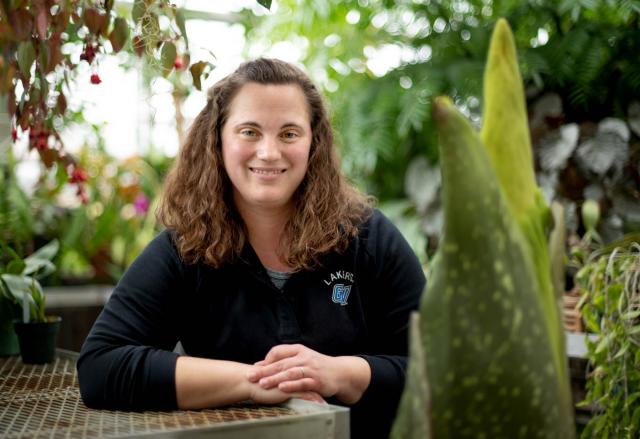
x=293 y=419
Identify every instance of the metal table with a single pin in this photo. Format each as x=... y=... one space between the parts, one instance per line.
x=43 y=401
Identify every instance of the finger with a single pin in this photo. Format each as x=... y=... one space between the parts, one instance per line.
x=289 y=373
x=282 y=351
x=261 y=371
x=260 y=363
x=279 y=367
x=303 y=385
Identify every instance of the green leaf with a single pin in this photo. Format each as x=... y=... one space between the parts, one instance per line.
x=119 y=34
x=614 y=291
x=181 y=25
x=623 y=350
x=557 y=240
x=592 y=322
x=413 y=112
x=600 y=424
x=265 y=3
x=168 y=57
x=635 y=420
x=630 y=315
x=199 y=70
x=8 y=250
x=39 y=268
x=26 y=57
x=18 y=286
x=47 y=251
x=604 y=343
x=15 y=266
x=39 y=263
x=44 y=55
x=138 y=10
x=38 y=305
x=631 y=399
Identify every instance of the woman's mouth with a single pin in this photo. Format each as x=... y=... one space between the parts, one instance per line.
x=267 y=171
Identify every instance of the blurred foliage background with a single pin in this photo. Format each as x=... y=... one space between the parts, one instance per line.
x=380 y=63
x=579 y=61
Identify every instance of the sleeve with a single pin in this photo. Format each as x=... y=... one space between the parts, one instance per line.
x=396 y=283
x=127 y=361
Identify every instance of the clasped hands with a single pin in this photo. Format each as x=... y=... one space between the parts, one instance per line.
x=295 y=370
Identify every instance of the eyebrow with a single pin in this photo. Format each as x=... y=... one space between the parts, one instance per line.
x=257 y=125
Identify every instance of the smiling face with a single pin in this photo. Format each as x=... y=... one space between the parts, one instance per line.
x=266 y=142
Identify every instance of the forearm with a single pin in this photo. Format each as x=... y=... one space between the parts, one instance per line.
x=204 y=383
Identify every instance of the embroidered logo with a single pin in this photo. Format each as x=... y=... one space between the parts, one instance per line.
x=341 y=293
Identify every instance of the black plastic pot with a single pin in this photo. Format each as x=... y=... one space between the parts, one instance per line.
x=38 y=340
x=8 y=342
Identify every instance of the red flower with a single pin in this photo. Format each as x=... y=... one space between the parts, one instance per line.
x=178 y=63
x=80 y=193
x=78 y=175
x=88 y=54
x=95 y=79
x=41 y=143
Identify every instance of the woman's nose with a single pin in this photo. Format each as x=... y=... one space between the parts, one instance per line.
x=268 y=149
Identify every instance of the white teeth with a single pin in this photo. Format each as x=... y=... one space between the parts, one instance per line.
x=267 y=171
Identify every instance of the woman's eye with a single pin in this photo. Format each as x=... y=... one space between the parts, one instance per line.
x=249 y=133
x=290 y=135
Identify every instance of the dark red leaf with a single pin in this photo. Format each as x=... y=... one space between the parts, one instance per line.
x=95 y=20
x=61 y=104
x=6 y=78
x=196 y=70
x=42 y=19
x=55 y=55
x=138 y=45
x=61 y=19
x=119 y=34
x=21 y=22
x=48 y=156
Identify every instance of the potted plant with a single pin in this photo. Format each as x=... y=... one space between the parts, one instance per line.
x=609 y=283
x=8 y=338
x=607 y=279
x=19 y=288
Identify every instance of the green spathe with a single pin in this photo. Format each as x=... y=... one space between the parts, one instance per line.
x=493 y=354
x=505 y=135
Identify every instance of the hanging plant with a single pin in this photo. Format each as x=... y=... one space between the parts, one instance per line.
x=37 y=65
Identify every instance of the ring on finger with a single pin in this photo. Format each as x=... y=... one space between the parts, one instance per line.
x=302 y=371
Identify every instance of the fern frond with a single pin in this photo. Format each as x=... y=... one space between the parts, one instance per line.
x=414 y=110
x=593 y=60
x=578 y=96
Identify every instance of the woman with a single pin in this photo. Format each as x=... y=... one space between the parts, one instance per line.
x=278 y=278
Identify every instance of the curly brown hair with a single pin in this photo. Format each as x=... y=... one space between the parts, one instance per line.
x=197 y=203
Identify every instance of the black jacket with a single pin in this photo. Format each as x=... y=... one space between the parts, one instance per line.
x=357 y=303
